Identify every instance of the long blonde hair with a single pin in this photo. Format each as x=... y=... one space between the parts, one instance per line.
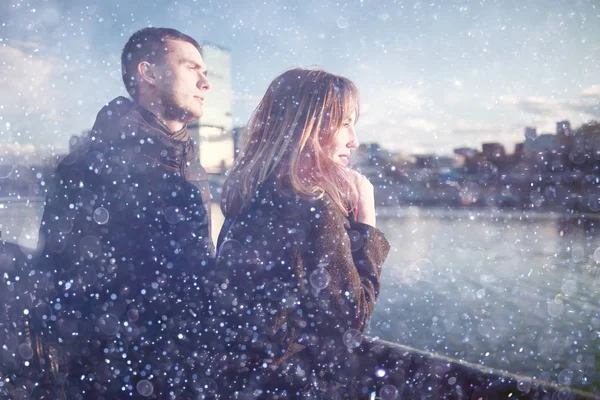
x=285 y=138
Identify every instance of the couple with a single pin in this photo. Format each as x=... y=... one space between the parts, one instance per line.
x=130 y=298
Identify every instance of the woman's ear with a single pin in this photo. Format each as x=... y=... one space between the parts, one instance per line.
x=147 y=73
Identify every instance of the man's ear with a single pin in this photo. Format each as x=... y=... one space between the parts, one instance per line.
x=147 y=73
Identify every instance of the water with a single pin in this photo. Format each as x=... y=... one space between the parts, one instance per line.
x=518 y=292
x=20 y=220
x=514 y=291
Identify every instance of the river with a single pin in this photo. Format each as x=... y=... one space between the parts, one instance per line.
x=514 y=291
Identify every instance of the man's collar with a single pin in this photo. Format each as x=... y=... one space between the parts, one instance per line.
x=157 y=123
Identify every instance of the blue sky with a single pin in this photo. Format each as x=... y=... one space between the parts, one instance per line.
x=433 y=75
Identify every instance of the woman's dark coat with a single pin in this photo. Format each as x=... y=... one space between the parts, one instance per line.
x=294 y=287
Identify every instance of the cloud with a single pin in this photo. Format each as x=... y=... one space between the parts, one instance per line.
x=408 y=119
x=544 y=112
x=475 y=131
x=536 y=105
x=391 y=106
x=55 y=74
x=401 y=118
x=26 y=82
x=32 y=21
x=557 y=108
x=381 y=103
x=423 y=125
x=592 y=91
x=464 y=127
x=24 y=44
x=407 y=99
x=45 y=99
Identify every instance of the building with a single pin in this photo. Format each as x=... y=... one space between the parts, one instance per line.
x=591 y=128
x=544 y=143
x=238 y=139
x=493 y=151
x=374 y=161
x=213 y=132
x=519 y=152
x=530 y=133
x=432 y=161
x=563 y=128
x=466 y=152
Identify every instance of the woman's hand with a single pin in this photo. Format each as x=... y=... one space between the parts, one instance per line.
x=365 y=209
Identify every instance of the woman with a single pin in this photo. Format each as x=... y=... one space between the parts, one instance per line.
x=299 y=256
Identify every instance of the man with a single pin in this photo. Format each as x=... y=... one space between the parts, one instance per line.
x=126 y=233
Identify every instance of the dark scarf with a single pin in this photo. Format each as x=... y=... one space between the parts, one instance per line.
x=123 y=124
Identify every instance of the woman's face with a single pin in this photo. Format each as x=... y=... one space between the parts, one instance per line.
x=338 y=148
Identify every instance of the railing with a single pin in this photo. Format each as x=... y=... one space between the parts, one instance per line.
x=409 y=373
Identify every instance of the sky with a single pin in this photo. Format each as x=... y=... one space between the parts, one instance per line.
x=433 y=75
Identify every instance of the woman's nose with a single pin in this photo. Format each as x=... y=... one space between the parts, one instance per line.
x=353 y=143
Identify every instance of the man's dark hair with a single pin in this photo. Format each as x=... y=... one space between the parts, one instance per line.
x=147 y=44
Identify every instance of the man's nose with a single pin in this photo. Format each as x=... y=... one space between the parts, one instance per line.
x=204 y=83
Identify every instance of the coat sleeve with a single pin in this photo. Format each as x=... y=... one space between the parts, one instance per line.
x=342 y=267
x=74 y=244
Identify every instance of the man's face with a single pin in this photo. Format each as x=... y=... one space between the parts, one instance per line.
x=182 y=81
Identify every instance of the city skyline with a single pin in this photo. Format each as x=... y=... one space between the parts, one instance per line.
x=432 y=77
